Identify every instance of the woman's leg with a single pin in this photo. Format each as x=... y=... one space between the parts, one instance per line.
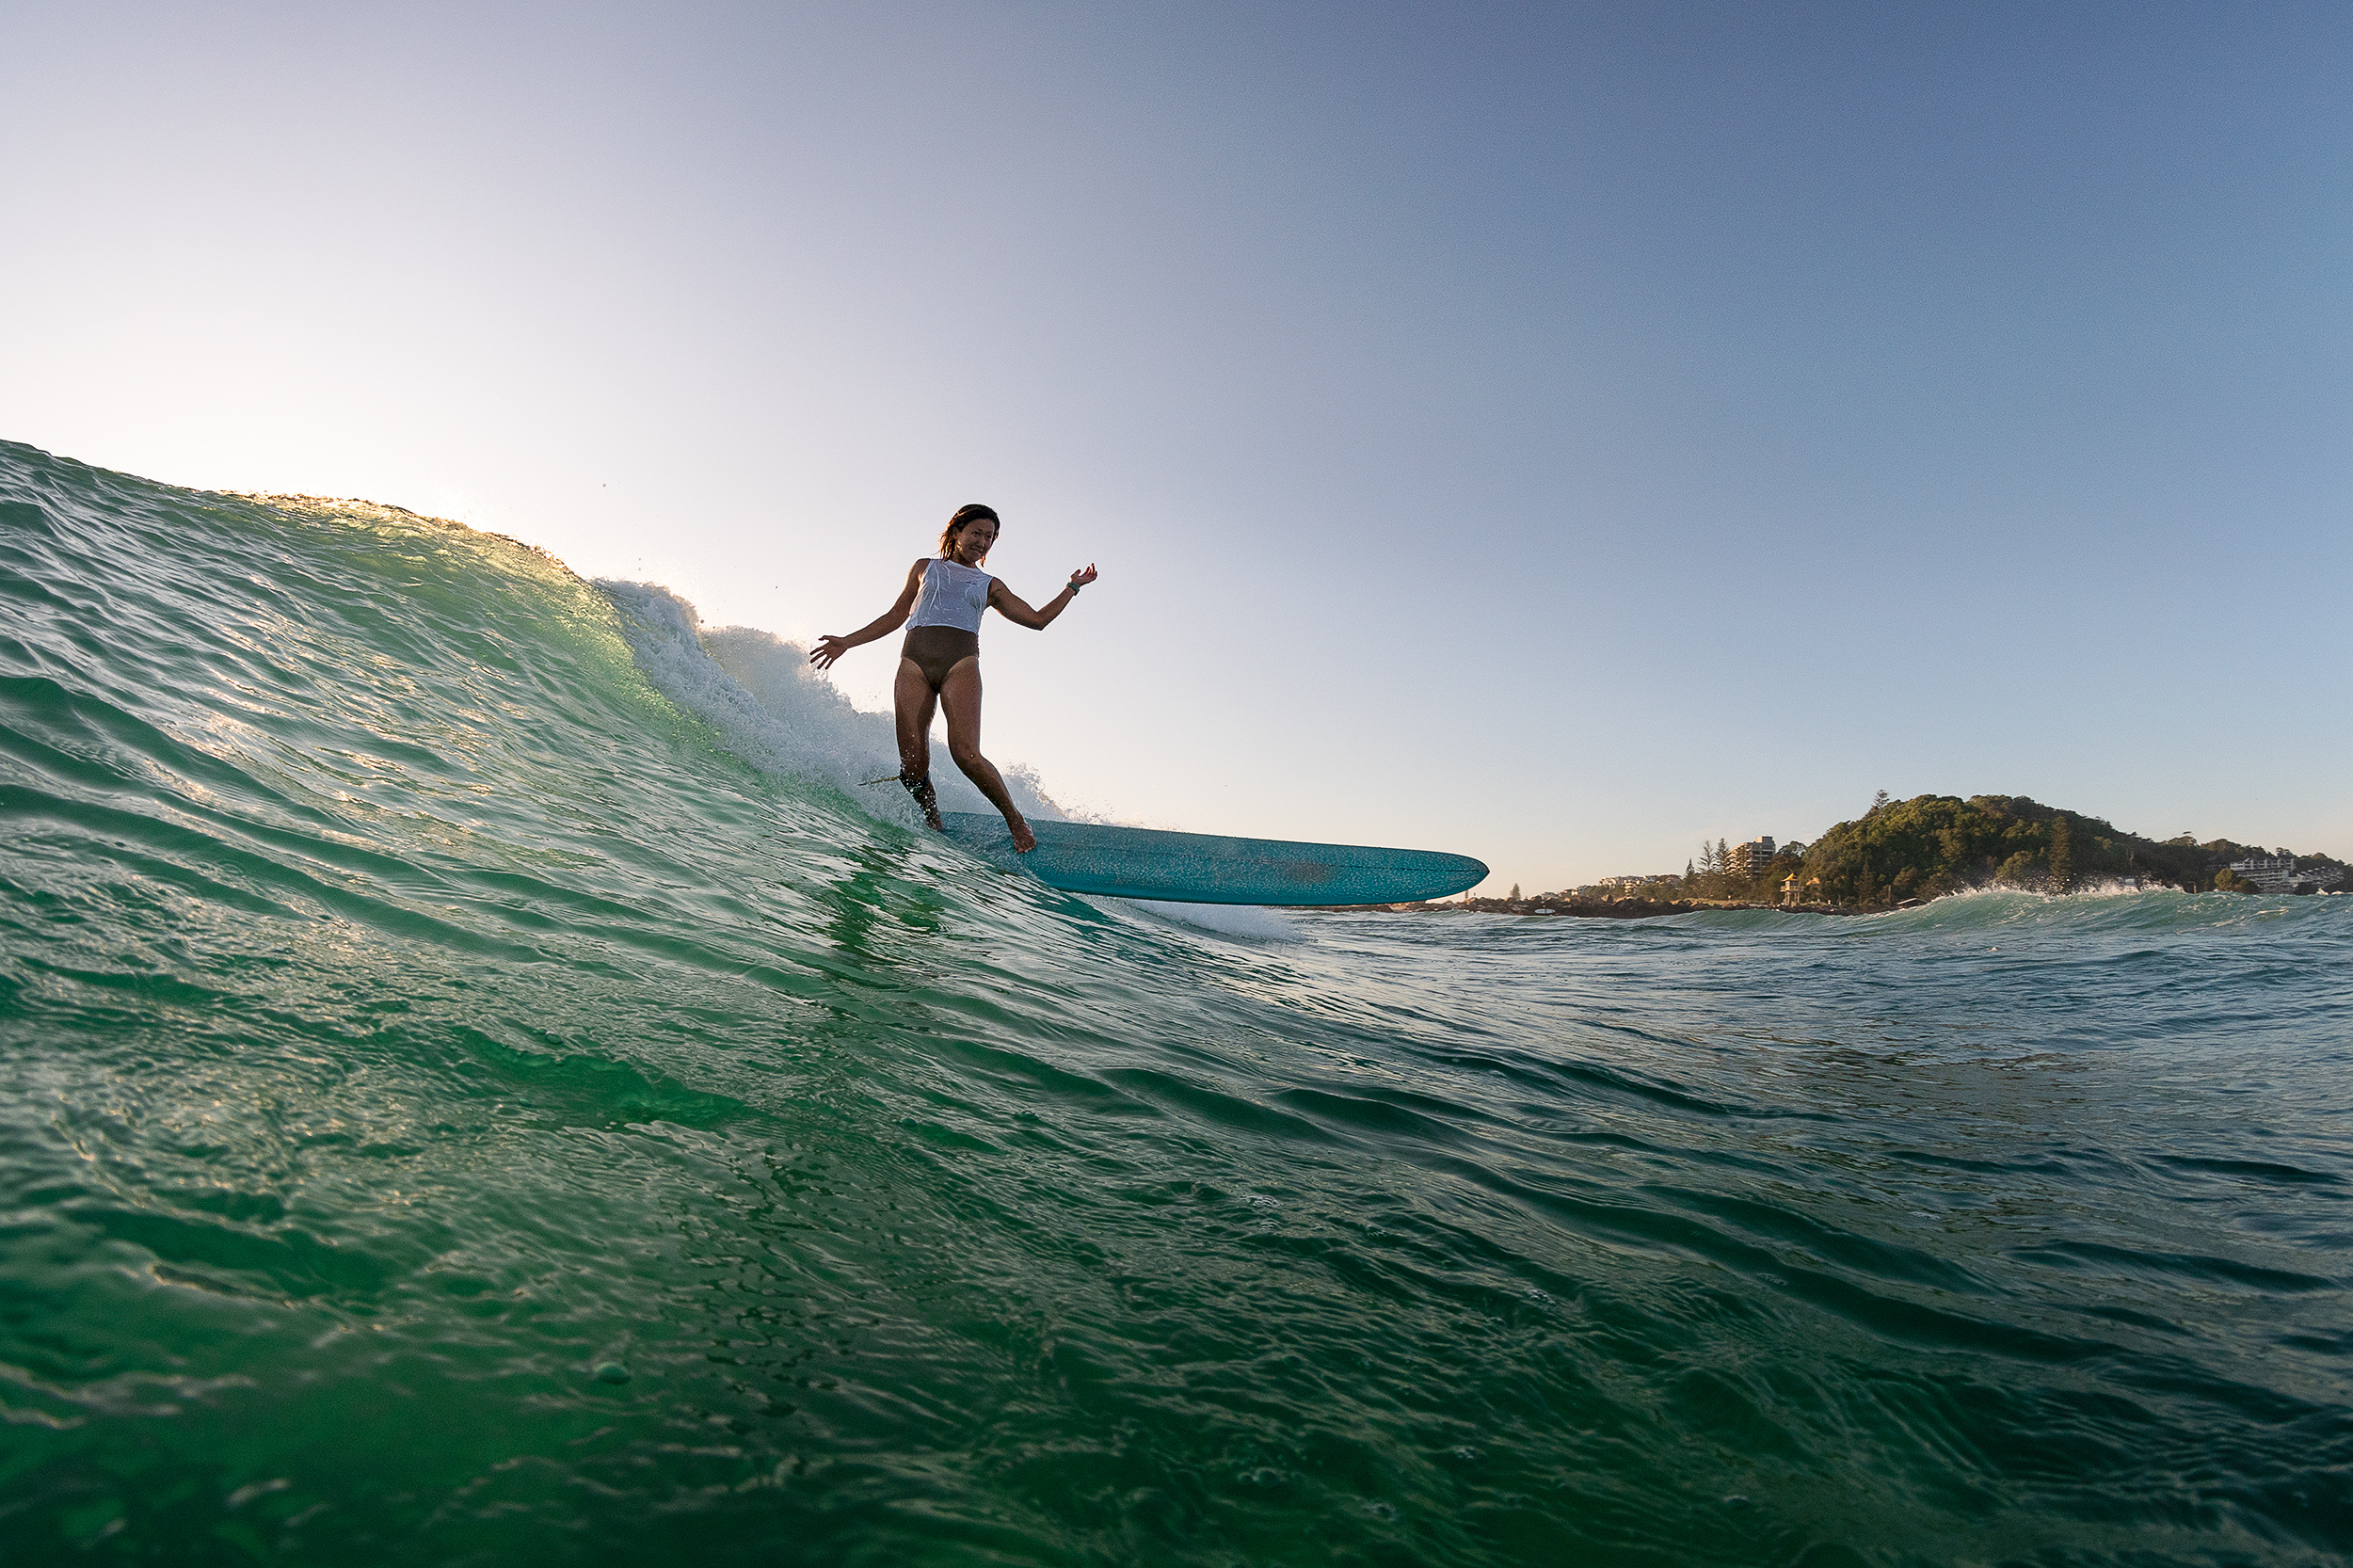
x=914 y=699
x=961 y=694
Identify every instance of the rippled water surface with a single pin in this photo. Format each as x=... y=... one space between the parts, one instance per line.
x=479 y=1087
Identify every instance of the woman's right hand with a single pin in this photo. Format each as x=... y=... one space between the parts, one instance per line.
x=829 y=648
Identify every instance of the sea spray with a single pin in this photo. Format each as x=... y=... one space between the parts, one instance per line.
x=812 y=712
x=757 y=692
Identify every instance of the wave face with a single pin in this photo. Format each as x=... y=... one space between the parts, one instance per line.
x=484 y=1086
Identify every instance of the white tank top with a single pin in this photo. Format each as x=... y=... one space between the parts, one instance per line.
x=953 y=595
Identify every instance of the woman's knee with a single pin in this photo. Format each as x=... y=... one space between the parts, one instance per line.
x=968 y=758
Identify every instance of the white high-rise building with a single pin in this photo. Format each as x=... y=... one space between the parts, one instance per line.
x=2277 y=873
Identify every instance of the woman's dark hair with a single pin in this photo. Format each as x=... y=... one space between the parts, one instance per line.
x=973 y=513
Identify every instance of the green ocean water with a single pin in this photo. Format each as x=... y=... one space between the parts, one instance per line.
x=479 y=1084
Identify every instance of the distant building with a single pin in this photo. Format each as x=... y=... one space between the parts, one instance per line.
x=2277 y=873
x=2273 y=874
x=1617 y=886
x=1752 y=858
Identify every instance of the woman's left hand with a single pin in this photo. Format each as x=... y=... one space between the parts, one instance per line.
x=1080 y=579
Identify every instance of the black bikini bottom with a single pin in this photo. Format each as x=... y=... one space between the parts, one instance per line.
x=937 y=649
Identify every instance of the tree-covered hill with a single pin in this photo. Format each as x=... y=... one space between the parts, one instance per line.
x=1919 y=848
x=1933 y=845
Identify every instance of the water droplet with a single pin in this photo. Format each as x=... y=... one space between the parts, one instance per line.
x=612 y=1371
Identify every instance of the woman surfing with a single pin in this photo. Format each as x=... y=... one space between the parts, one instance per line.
x=940 y=661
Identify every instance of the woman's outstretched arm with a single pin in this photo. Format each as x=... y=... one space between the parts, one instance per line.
x=1010 y=604
x=831 y=647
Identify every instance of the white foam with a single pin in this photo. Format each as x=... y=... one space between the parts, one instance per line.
x=2088 y=887
x=1255 y=921
x=776 y=712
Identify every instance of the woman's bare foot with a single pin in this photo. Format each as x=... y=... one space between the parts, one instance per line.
x=1023 y=839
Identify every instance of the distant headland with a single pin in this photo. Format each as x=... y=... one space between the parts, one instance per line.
x=1903 y=852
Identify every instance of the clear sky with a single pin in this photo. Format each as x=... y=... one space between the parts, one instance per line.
x=1558 y=434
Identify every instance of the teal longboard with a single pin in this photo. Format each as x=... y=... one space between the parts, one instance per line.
x=1202 y=868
